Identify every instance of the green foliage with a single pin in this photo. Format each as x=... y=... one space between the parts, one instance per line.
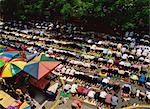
x=126 y=13
x=66 y=10
x=129 y=25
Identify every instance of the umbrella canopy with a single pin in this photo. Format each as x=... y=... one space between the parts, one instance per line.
x=2 y=46
x=9 y=49
x=27 y=56
x=11 y=107
x=12 y=68
x=25 y=105
x=2 y=63
x=40 y=66
x=2 y=50
x=4 y=58
x=9 y=54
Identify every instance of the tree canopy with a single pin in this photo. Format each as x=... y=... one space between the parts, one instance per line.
x=129 y=14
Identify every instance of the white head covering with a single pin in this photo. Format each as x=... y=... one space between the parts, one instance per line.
x=53 y=88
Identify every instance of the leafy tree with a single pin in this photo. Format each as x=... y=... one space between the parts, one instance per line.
x=66 y=10
x=128 y=14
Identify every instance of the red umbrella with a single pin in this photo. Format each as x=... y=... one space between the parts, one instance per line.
x=5 y=59
x=9 y=49
x=40 y=66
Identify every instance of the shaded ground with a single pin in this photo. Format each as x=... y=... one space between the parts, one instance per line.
x=40 y=97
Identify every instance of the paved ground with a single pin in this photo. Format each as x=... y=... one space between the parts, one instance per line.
x=49 y=104
x=67 y=105
x=40 y=97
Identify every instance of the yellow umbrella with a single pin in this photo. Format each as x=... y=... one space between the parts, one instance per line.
x=25 y=105
x=12 y=68
x=1 y=46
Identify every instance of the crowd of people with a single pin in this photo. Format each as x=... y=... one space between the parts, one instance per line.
x=99 y=68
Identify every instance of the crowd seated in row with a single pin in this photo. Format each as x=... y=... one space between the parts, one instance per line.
x=104 y=65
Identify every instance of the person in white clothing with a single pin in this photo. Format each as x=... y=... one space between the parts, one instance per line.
x=72 y=72
x=63 y=70
x=148 y=96
x=68 y=71
x=105 y=81
x=102 y=96
x=123 y=49
x=138 y=54
x=141 y=59
x=125 y=56
x=118 y=54
x=133 y=52
x=145 y=53
x=91 y=94
x=73 y=88
x=93 y=47
x=137 y=93
x=122 y=63
x=119 y=46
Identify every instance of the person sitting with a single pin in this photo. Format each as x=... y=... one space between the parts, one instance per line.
x=147 y=84
x=130 y=57
x=147 y=96
x=142 y=79
x=96 y=96
x=116 y=86
x=142 y=96
x=76 y=104
x=105 y=81
x=91 y=94
x=126 y=90
x=108 y=99
x=133 y=92
x=82 y=91
x=114 y=101
x=103 y=73
x=124 y=56
x=102 y=96
x=74 y=87
x=67 y=87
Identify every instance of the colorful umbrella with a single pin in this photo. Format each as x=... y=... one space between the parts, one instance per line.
x=2 y=46
x=4 y=58
x=2 y=50
x=9 y=54
x=11 y=107
x=25 y=105
x=9 y=49
x=2 y=63
x=26 y=55
x=12 y=68
x=40 y=66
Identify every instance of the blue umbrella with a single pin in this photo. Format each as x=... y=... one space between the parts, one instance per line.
x=10 y=54
x=28 y=56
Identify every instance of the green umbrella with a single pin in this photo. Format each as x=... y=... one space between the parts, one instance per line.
x=2 y=63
